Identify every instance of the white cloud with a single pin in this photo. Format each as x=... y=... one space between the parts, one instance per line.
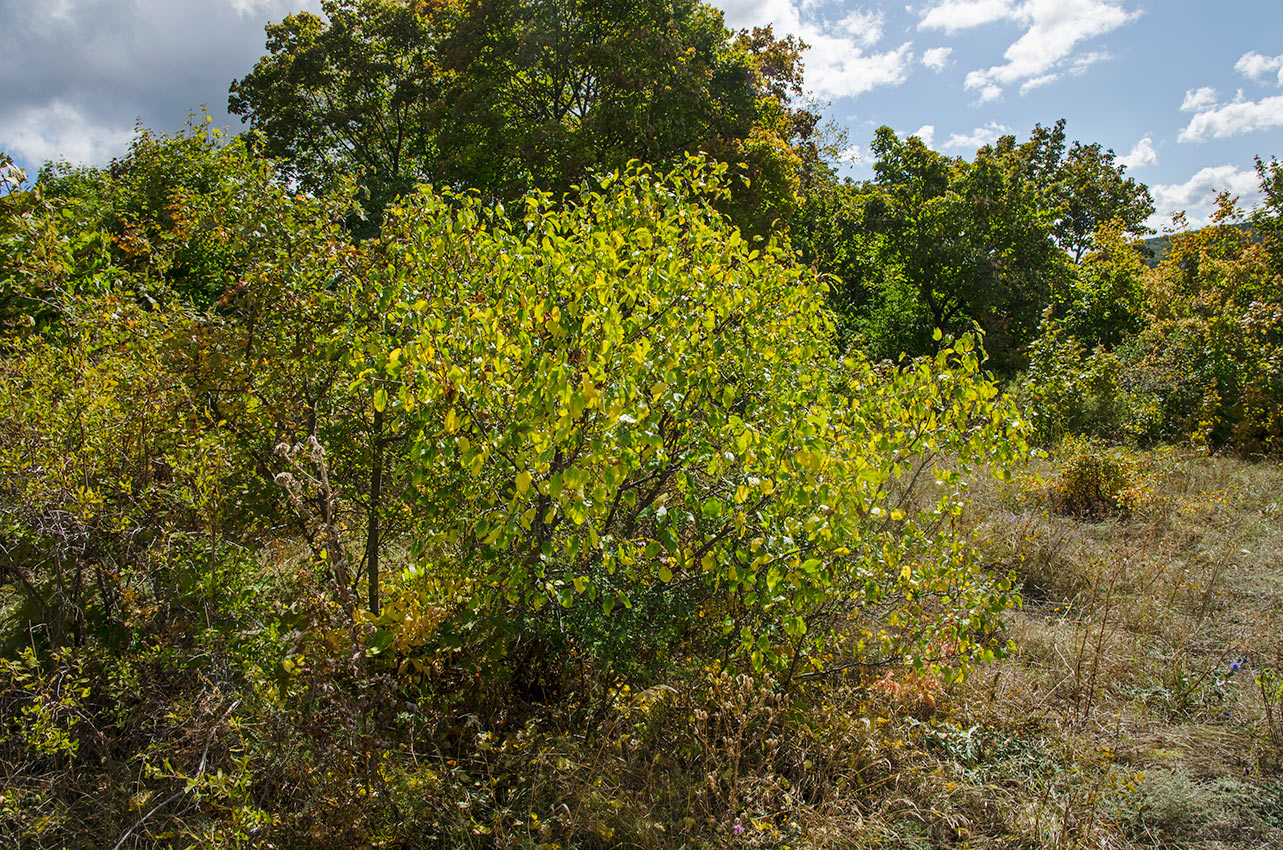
x=60 y=131
x=1219 y=121
x=989 y=93
x=1197 y=196
x=1255 y=66
x=1053 y=29
x=837 y=64
x=956 y=15
x=77 y=74
x=978 y=137
x=936 y=58
x=864 y=27
x=1198 y=99
x=835 y=70
x=1141 y=156
x=1031 y=84
x=852 y=155
x=927 y=133
x=1082 y=63
x=1233 y=119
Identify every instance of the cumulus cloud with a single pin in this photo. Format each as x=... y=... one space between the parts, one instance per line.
x=78 y=74
x=864 y=27
x=1197 y=196
x=1025 y=87
x=1216 y=120
x=953 y=16
x=1053 y=30
x=1199 y=99
x=1142 y=155
x=977 y=138
x=837 y=65
x=57 y=130
x=992 y=92
x=936 y=58
x=1234 y=119
x=927 y=133
x=1254 y=66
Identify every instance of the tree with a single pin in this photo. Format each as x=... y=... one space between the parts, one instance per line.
x=505 y=96
x=1267 y=219
x=1103 y=302
x=356 y=92
x=971 y=239
x=1083 y=185
x=180 y=217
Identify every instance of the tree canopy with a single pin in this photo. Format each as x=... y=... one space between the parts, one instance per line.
x=505 y=96
x=1084 y=186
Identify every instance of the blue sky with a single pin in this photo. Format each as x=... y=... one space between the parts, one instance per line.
x=1185 y=91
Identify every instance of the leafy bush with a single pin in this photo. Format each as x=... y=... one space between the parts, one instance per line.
x=1102 y=304
x=620 y=402
x=1068 y=390
x=1097 y=482
x=1205 y=365
x=601 y=443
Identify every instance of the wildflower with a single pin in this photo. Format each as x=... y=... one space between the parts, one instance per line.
x=1235 y=667
x=738 y=829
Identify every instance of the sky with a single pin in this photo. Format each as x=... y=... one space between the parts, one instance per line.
x=1186 y=92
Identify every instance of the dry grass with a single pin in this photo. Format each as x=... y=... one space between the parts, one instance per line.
x=1137 y=654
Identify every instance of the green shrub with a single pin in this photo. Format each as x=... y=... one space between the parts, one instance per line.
x=1068 y=390
x=621 y=403
x=1097 y=482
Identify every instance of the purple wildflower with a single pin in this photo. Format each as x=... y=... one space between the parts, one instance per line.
x=1235 y=667
x=738 y=829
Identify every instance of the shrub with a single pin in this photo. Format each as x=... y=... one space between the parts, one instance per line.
x=1205 y=364
x=620 y=402
x=1069 y=390
x=1096 y=481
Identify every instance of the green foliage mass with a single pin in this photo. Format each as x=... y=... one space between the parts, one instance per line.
x=307 y=524
x=622 y=398
x=942 y=242
x=1188 y=350
x=506 y=97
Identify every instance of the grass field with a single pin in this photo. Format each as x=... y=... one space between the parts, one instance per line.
x=1131 y=714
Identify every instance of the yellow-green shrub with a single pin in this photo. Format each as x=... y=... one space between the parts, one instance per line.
x=620 y=403
x=1096 y=481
